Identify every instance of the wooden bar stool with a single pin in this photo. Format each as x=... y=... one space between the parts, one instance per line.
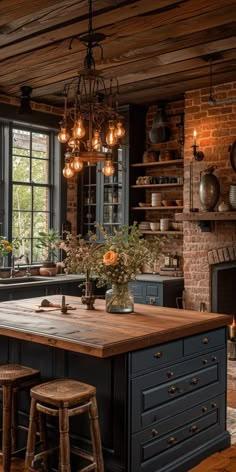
x=65 y=398
x=13 y=377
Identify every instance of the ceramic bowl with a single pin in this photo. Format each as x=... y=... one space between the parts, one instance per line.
x=168 y=203
x=155 y=226
x=179 y=202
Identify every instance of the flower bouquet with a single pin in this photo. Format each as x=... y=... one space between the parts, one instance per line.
x=5 y=249
x=120 y=259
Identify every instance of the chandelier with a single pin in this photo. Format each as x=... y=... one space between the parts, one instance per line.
x=91 y=125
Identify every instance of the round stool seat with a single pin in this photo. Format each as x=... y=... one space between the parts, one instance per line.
x=63 y=392
x=10 y=373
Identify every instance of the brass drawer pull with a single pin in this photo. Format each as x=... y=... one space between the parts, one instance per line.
x=205 y=341
x=154 y=432
x=172 y=440
x=213 y=405
x=194 y=381
x=157 y=355
x=172 y=390
x=194 y=429
x=204 y=409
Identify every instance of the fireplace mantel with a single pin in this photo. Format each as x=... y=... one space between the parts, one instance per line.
x=206 y=219
x=206 y=216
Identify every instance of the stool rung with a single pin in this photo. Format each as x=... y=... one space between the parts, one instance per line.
x=79 y=409
x=88 y=468
x=46 y=453
x=46 y=410
x=79 y=452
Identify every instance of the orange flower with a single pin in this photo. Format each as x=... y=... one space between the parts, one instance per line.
x=9 y=248
x=6 y=242
x=110 y=258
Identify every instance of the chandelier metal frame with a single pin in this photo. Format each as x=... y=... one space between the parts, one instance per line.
x=89 y=99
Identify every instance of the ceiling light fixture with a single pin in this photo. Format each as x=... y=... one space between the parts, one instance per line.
x=25 y=106
x=91 y=126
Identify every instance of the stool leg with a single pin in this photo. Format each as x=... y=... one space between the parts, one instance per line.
x=14 y=420
x=43 y=439
x=95 y=434
x=30 y=450
x=64 y=440
x=6 y=434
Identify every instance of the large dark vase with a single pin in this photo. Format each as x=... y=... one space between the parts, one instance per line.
x=209 y=189
x=159 y=132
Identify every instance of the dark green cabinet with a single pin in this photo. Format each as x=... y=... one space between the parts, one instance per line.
x=164 y=293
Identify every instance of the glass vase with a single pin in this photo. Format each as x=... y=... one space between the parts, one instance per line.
x=119 y=299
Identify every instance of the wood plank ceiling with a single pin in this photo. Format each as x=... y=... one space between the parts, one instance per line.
x=156 y=49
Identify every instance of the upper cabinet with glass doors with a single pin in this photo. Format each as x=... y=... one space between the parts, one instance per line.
x=105 y=200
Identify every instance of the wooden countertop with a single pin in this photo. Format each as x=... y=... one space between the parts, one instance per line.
x=100 y=334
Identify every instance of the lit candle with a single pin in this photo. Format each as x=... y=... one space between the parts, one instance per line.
x=194 y=137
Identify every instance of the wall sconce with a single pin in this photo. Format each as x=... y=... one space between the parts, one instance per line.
x=198 y=155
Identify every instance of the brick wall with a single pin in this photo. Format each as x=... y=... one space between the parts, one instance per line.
x=216 y=130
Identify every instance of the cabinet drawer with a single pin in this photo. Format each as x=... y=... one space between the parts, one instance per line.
x=153 y=290
x=156 y=356
x=201 y=342
x=164 y=393
x=166 y=438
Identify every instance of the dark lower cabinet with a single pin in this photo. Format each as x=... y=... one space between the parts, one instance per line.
x=164 y=293
x=161 y=409
x=43 y=289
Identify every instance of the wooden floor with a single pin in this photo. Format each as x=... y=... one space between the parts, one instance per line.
x=224 y=461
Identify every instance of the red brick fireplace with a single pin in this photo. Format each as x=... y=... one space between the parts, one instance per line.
x=216 y=130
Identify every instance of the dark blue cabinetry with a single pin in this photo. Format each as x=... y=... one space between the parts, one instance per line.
x=162 y=293
x=178 y=403
x=161 y=408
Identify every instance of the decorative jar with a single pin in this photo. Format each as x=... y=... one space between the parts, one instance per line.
x=119 y=299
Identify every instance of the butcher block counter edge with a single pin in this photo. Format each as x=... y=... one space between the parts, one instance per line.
x=101 y=334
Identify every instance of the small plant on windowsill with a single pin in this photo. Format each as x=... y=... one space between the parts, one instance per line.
x=48 y=242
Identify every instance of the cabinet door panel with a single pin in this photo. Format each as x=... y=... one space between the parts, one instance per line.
x=201 y=342
x=156 y=356
x=154 y=398
x=153 y=448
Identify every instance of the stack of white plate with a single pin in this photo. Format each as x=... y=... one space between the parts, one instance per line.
x=156 y=199
x=232 y=196
x=144 y=226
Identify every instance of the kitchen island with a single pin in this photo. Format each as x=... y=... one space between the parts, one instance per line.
x=160 y=375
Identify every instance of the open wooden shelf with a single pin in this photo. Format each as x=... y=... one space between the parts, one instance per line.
x=158 y=208
x=206 y=216
x=178 y=233
x=157 y=185
x=157 y=163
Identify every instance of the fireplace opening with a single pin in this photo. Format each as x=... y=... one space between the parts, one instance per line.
x=224 y=288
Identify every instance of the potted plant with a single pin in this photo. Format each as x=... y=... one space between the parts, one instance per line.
x=48 y=242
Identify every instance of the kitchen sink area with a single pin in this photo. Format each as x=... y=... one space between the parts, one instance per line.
x=22 y=280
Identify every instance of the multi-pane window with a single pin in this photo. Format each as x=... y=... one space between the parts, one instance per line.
x=31 y=189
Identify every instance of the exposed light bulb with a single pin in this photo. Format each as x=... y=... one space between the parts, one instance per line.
x=63 y=136
x=72 y=142
x=78 y=129
x=96 y=141
x=111 y=138
x=120 y=131
x=108 y=169
x=68 y=172
x=77 y=165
